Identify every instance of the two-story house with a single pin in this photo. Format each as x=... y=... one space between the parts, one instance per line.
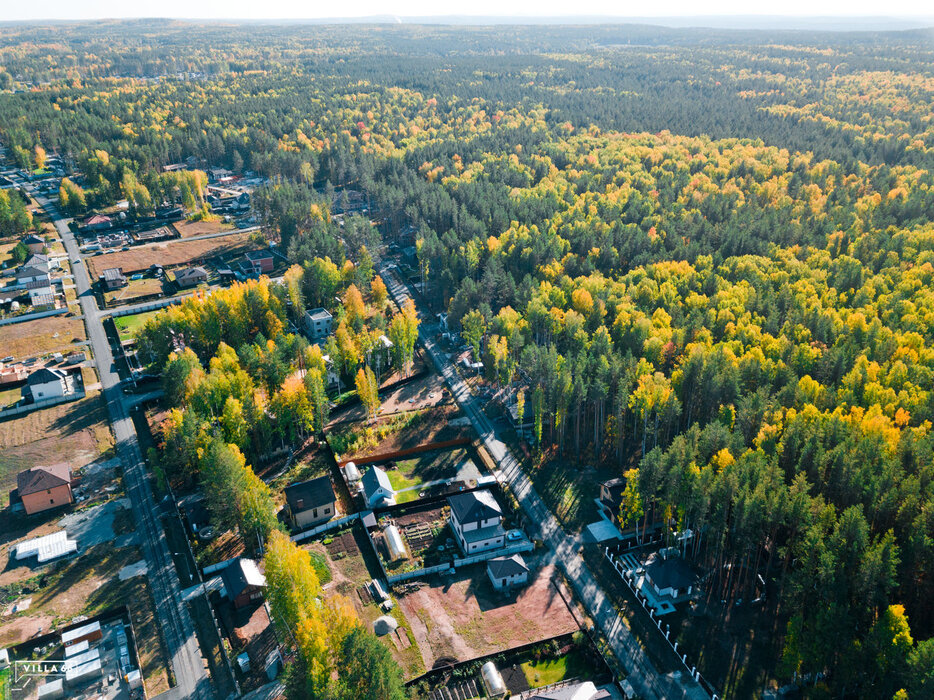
x=310 y=502
x=318 y=323
x=476 y=519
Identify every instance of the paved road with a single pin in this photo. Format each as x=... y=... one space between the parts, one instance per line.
x=565 y=548
x=177 y=628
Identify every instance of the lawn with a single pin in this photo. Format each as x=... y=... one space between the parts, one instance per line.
x=8 y=397
x=128 y=325
x=542 y=673
x=42 y=336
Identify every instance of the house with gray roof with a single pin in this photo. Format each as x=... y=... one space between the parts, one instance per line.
x=476 y=519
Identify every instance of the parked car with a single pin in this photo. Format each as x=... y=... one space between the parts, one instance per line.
x=514 y=535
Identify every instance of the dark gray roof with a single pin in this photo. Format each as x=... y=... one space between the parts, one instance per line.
x=474 y=506
x=504 y=567
x=673 y=572
x=32 y=238
x=42 y=478
x=310 y=494
x=45 y=375
x=375 y=478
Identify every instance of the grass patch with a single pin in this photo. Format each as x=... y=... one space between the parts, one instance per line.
x=320 y=565
x=8 y=397
x=133 y=290
x=128 y=325
x=399 y=480
x=548 y=671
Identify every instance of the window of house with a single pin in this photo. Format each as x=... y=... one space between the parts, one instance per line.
x=327 y=510
x=314 y=513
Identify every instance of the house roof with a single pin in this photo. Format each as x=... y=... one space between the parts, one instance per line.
x=32 y=239
x=319 y=314
x=97 y=219
x=33 y=270
x=504 y=567
x=259 y=254
x=615 y=487
x=36 y=259
x=197 y=512
x=374 y=479
x=579 y=691
x=670 y=572
x=45 y=375
x=113 y=273
x=239 y=574
x=190 y=273
x=474 y=506
x=310 y=494
x=42 y=478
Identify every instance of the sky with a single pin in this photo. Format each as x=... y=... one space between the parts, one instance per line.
x=305 y=9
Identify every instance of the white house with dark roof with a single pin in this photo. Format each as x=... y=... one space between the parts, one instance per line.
x=506 y=572
x=46 y=383
x=476 y=519
x=377 y=490
x=310 y=502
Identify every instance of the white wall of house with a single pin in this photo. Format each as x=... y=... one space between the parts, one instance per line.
x=312 y=516
x=514 y=580
x=48 y=390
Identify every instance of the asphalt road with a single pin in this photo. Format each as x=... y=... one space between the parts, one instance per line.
x=178 y=631
x=565 y=548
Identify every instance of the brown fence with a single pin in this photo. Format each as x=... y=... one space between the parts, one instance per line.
x=386 y=456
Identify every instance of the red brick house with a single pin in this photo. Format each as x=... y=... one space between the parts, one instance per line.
x=42 y=488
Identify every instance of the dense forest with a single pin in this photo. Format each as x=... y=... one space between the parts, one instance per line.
x=704 y=257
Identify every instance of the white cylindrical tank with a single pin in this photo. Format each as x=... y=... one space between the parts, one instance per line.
x=492 y=680
x=394 y=542
x=351 y=472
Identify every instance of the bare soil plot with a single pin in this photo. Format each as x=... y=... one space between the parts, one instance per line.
x=462 y=617
x=134 y=289
x=44 y=335
x=187 y=229
x=74 y=433
x=171 y=253
x=425 y=392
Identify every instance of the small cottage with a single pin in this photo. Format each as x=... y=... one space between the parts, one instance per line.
x=476 y=519
x=506 y=572
x=243 y=582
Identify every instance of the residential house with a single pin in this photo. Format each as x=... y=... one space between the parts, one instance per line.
x=13 y=374
x=260 y=260
x=506 y=572
x=113 y=278
x=310 y=502
x=35 y=275
x=584 y=690
x=669 y=576
x=377 y=490
x=476 y=519
x=332 y=380
x=243 y=582
x=47 y=383
x=611 y=497
x=97 y=222
x=42 y=488
x=318 y=323
x=191 y=277
x=41 y=296
x=35 y=244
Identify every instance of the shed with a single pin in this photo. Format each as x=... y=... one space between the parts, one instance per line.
x=505 y=572
x=90 y=632
x=76 y=649
x=51 y=690
x=83 y=673
x=243 y=582
x=47 y=547
x=377 y=488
